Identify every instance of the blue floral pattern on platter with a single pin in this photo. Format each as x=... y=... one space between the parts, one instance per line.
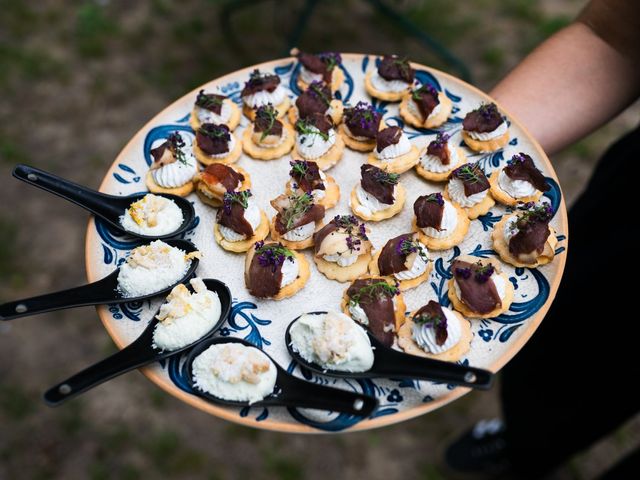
x=263 y=322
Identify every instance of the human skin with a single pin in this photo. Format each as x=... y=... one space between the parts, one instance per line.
x=569 y=86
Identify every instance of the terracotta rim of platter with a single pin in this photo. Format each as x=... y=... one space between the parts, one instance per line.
x=231 y=415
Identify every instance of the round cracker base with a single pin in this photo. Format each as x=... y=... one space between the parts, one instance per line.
x=329 y=159
x=299 y=245
x=205 y=159
x=502 y=247
x=478 y=209
x=333 y=271
x=401 y=195
x=400 y=164
x=431 y=122
x=259 y=153
x=153 y=187
x=243 y=245
x=386 y=96
x=232 y=123
x=357 y=145
x=486 y=145
x=440 y=176
x=404 y=284
x=503 y=197
x=456 y=237
x=455 y=353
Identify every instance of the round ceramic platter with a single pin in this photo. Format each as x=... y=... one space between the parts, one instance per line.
x=263 y=322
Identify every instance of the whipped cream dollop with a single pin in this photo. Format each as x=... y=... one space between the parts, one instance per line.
x=515 y=188
x=368 y=203
x=290 y=270
x=448 y=223
x=265 y=97
x=300 y=233
x=432 y=163
x=252 y=215
x=456 y=192
x=207 y=116
x=425 y=335
x=312 y=145
x=151 y=268
x=176 y=174
x=186 y=317
x=395 y=150
x=418 y=266
x=308 y=77
x=152 y=215
x=333 y=341
x=236 y=372
x=389 y=86
x=484 y=136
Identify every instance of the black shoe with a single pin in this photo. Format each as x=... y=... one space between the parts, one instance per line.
x=481 y=450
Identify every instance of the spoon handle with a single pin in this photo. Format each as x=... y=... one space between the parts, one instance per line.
x=391 y=363
x=97 y=293
x=95 y=202
x=302 y=394
x=127 y=359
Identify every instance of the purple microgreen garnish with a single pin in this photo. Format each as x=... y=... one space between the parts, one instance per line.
x=374 y=291
x=531 y=213
x=436 y=198
x=408 y=246
x=356 y=231
x=316 y=89
x=517 y=159
x=268 y=113
x=176 y=144
x=440 y=140
x=206 y=100
x=272 y=255
x=241 y=198
x=488 y=111
x=468 y=173
x=437 y=322
x=425 y=88
x=304 y=127
x=364 y=113
x=465 y=272
x=331 y=59
x=298 y=205
x=214 y=131
x=385 y=177
x=484 y=272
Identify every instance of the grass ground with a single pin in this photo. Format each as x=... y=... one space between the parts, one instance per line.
x=77 y=80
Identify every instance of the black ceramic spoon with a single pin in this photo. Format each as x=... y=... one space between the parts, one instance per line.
x=391 y=363
x=290 y=391
x=108 y=207
x=102 y=292
x=137 y=354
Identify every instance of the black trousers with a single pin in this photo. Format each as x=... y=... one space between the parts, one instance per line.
x=576 y=380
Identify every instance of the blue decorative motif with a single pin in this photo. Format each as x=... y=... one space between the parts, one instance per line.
x=128 y=170
x=238 y=313
x=488 y=220
x=553 y=194
x=487 y=161
x=130 y=310
x=160 y=133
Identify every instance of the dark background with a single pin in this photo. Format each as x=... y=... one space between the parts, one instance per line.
x=77 y=80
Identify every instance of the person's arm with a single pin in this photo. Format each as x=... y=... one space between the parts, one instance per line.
x=570 y=85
